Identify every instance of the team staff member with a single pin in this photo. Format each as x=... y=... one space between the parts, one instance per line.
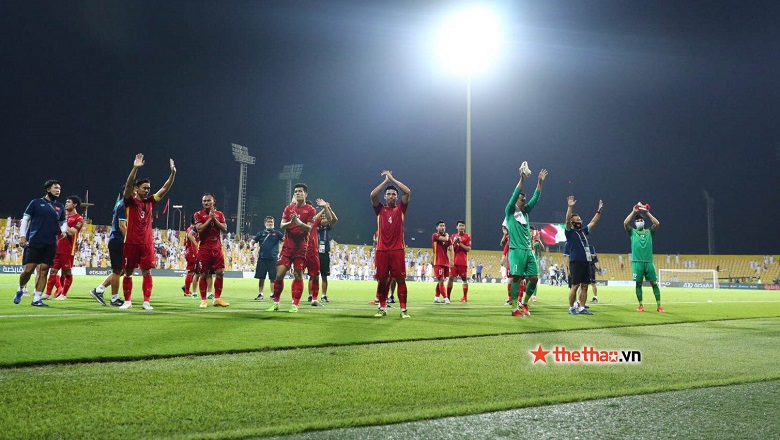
x=323 y=241
x=579 y=256
x=115 y=244
x=42 y=222
x=269 y=239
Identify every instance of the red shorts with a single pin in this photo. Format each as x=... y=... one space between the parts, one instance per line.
x=441 y=271
x=210 y=260
x=62 y=261
x=460 y=271
x=390 y=264
x=192 y=261
x=138 y=255
x=313 y=265
x=294 y=257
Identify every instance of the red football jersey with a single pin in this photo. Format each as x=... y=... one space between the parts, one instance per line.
x=390 y=223
x=294 y=232
x=210 y=237
x=440 y=257
x=67 y=245
x=139 y=220
x=461 y=255
x=189 y=248
x=314 y=238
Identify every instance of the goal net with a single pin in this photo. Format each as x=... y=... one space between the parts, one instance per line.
x=702 y=277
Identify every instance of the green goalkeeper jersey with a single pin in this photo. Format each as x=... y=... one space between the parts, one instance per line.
x=641 y=245
x=518 y=223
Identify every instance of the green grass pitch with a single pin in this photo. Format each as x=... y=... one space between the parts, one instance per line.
x=80 y=370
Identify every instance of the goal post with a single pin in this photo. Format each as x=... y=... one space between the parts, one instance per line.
x=689 y=276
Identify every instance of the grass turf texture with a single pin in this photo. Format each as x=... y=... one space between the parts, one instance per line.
x=319 y=368
x=713 y=412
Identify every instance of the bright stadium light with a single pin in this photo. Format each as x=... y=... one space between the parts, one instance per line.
x=469 y=40
x=468 y=43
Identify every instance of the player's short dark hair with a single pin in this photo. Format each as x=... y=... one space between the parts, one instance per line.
x=439 y=222
x=574 y=214
x=460 y=221
x=209 y=194
x=140 y=182
x=301 y=185
x=531 y=227
x=521 y=194
x=639 y=217
x=75 y=200
x=391 y=187
x=268 y=217
x=51 y=182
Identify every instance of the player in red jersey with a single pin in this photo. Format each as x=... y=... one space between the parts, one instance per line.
x=461 y=245
x=389 y=255
x=297 y=220
x=210 y=224
x=139 y=243
x=191 y=257
x=505 y=262
x=66 y=249
x=442 y=248
x=313 y=250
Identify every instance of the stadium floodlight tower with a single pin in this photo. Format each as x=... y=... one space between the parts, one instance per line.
x=290 y=173
x=710 y=222
x=468 y=43
x=241 y=155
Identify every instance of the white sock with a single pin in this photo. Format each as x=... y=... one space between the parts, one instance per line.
x=37 y=296
x=100 y=289
x=114 y=297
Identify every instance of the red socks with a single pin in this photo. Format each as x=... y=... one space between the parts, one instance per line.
x=66 y=284
x=314 y=289
x=278 y=287
x=465 y=291
x=127 y=287
x=218 y=287
x=188 y=283
x=147 y=287
x=203 y=285
x=53 y=281
x=402 y=295
x=297 y=291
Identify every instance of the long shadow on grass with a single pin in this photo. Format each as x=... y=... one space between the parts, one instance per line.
x=106 y=359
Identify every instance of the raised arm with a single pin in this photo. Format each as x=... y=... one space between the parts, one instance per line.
x=656 y=223
x=570 y=202
x=167 y=186
x=596 y=216
x=540 y=181
x=137 y=163
x=407 y=193
x=375 y=192
x=627 y=221
x=329 y=214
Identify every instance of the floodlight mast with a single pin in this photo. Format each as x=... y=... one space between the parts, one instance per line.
x=468 y=42
x=241 y=155
x=290 y=173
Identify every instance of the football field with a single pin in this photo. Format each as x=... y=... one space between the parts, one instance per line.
x=80 y=370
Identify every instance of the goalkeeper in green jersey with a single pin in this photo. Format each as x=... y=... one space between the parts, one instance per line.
x=642 y=266
x=522 y=261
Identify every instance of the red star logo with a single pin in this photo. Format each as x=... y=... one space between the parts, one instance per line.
x=540 y=354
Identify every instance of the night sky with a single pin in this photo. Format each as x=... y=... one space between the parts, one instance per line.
x=620 y=100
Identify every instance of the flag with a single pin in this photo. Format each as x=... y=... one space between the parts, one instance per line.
x=167 y=202
x=86 y=198
x=553 y=233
